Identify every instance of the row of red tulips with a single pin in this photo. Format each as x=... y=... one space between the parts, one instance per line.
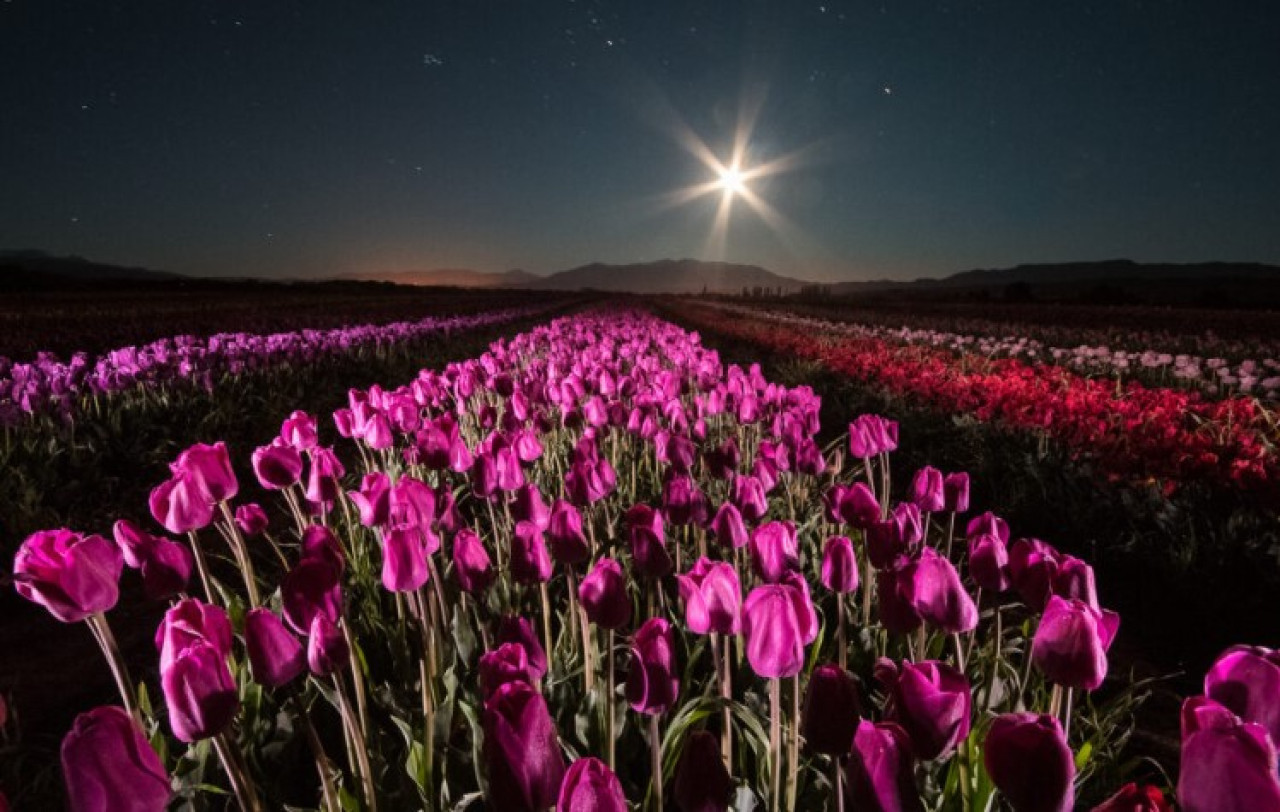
x=608 y=477
x=1131 y=432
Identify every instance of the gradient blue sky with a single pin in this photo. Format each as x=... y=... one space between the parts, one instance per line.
x=321 y=137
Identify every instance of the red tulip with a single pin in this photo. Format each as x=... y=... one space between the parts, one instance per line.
x=1132 y=798
x=107 y=765
x=71 y=575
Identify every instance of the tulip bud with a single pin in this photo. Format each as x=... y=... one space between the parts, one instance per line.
x=774 y=550
x=652 y=682
x=1070 y=645
x=277 y=657
x=1033 y=564
x=830 y=710
x=373 y=500
x=1029 y=761
x=1246 y=680
x=107 y=764
x=880 y=769
x=310 y=588
x=404 y=559
x=930 y=700
x=1074 y=579
x=322 y=479
x=189 y=622
x=319 y=542
x=926 y=489
x=839 y=566
x=515 y=629
x=471 y=563
x=167 y=570
x=135 y=543
x=251 y=519
x=530 y=561
x=175 y=504
x=748 y=496
x=565 y=537
x=728 y=526
x=277 y=465
x=529 y=506
x=857 y=506
x=712 y=597
x=299 y=431
x=603 y=594
x=207 y=468
x=683 y=502
x=590 y=786
x=938 y=596
x=702 y=784
x=987 y=524
x=989 y=562
x=778 y=621
x=327 y=649
x=1227 y=765
x=521 y=752
x=894 y=588
x=955 y=492
x=199 y=691
x=507 y=663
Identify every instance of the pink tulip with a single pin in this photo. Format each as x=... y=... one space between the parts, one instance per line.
x=712 y=598
x=530 y=561
x=471 y=563
x=778 y=621
x=277 y=465
x=603 y=594
x=1070 y=645
x=1227 y=765
x=880 y=769
x=71 y=575
x=108 y=765
x=839 y=566
x=276 y=656
x=653 y=683
x=1029 y=761
x=931 y=701
x=199 y=691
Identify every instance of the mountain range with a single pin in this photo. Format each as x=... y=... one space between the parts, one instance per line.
x=690 y=276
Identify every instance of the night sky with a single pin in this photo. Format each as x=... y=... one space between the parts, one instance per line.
x=283 y=138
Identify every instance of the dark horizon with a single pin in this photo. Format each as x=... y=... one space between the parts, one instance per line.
x=310 y=139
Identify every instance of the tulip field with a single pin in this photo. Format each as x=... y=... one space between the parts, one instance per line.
x=597 y=565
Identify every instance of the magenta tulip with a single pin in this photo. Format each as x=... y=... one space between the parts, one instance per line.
x=373 y=500
x=276 y=656
x=177 y=506
x=327 y=648
x=748 y=496
x=299 y=430
x=565 y=537
x=987 y=524
x=1070 y=645
x=312 y=587
x=590 y=786
x=653 y=683
x=1029 y=761
x=207 y=468
x=603 y=594
x=774 y=550
x=276 y=466
x=1246 y=680
x=71 y=575
x=778 y=621
x=857 y=506
x=926 y=489
x=530 y=561
x=515 y=629
x=471 y=563
x=507 y=663
x=1227 y=765
x=1033 y=564
x=880 y=770
x=702 y=784
x=895 y=588
x=199 y=692
x=189 y=622
x=937 y=595
x=839 y=566
x=683 y=502
x=955 y=492
x=108 y=765
x=989 y=562
x=521 y=752
x=251 y=519
x=830 y=710
x=404 y=559
x=712 y=598
x=322 y=478
x=728 y=526
x=931 y=701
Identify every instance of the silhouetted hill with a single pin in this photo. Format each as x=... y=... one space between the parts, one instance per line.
x=451 y=277
x=668 y=276
x=1118 y=272
x=39 y=267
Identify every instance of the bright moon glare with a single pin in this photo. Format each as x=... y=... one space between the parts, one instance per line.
x=732 y=180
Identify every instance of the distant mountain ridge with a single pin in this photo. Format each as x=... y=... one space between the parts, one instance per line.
x=452 y=277
x=42 y=264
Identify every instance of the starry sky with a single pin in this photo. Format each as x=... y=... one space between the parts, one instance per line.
x=316 y=137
